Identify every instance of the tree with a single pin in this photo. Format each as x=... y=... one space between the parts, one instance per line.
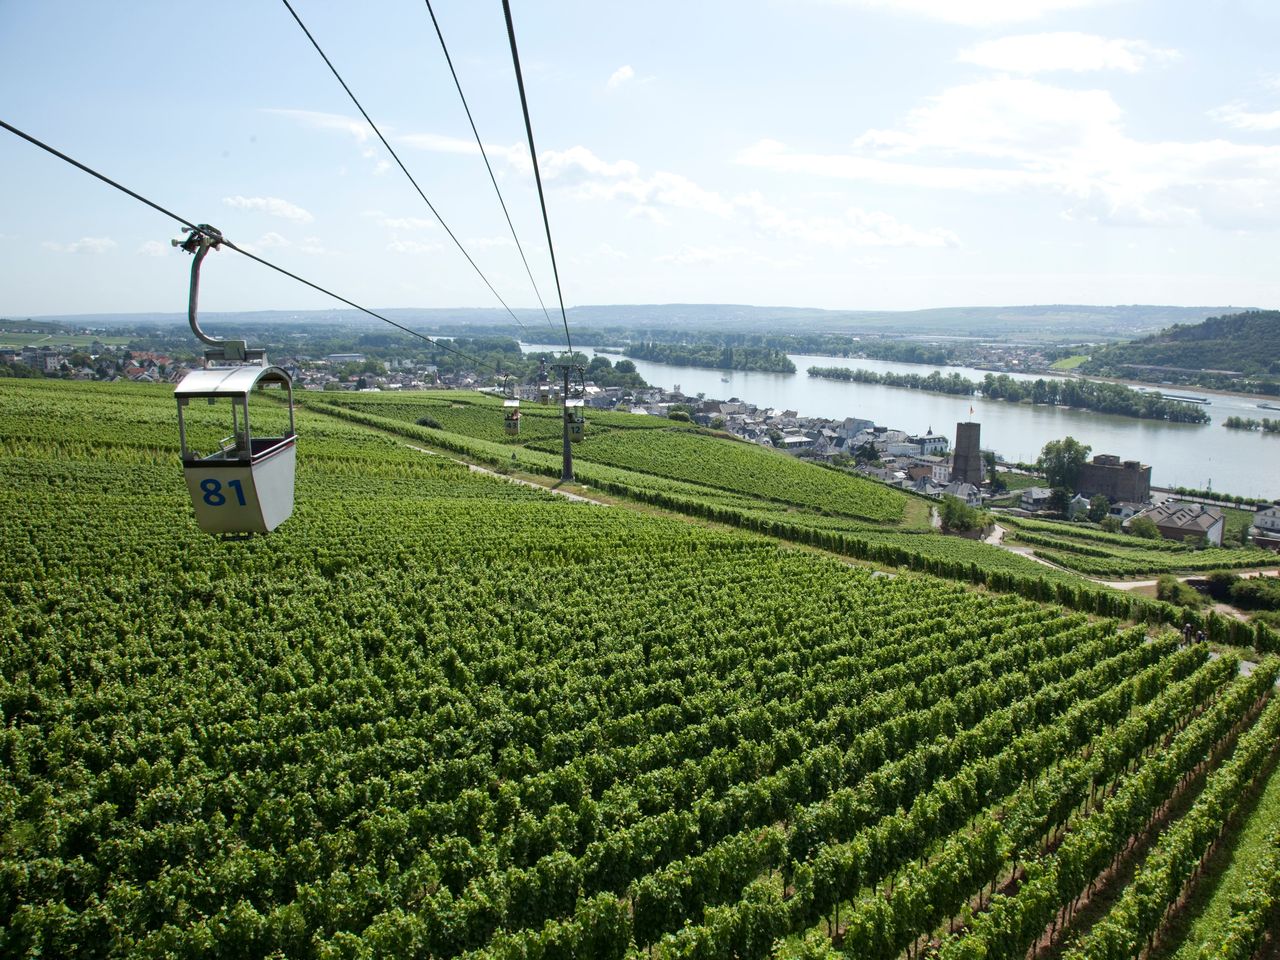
x=1060 y=500
x=989 y=468
x=1111 y=524
x=1061 y=460
x=958 y=516
x=866 y=453
x=1098 y=507
x=1144 y=527
x=680 y=416
x=717 y=423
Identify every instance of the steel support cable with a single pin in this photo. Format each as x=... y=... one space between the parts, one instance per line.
x=533 y=155
x=405 y=170
x=240 y=250
x=484 y=153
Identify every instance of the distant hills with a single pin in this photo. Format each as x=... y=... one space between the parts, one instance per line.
x=1052 y=322
x=1220 y=350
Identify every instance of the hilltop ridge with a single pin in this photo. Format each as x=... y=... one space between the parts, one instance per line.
x=1053 y=322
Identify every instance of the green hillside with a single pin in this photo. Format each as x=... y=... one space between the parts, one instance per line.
x=1212 y=352
x=442 y=714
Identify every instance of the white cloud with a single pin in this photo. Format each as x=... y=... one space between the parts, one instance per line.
x=355 y=127
x=1008 y=118
x=273 y=206
x=436 y=143
x=482 y=243
x=1079 y=52
x=578 y=161
x=312 y=247
x=271 y=240
x=1019 y=134
x=688 y=255
x=516 y=154
x=154 y=248
x=83 y=245
x=406 y=223
x=620 y=76
x=976 y=13
x=412 y=246
x=650 y=214
x=856 y=227
x=590 y=178
x=1237 y=115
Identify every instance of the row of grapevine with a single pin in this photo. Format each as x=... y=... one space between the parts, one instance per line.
x=1054 y=884
x=1254 y=912
x=950 y=557
x=440 y=714
x=1178 y=856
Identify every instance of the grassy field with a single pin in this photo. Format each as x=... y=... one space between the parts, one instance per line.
x=1019 y=481
x=16 y=341
x=1069 y=363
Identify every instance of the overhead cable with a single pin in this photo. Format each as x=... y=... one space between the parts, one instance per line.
x=400 y=164
x=484 y=153
x=240 y=250
x=533 y=155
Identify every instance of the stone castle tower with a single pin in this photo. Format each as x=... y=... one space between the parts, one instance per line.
x=966 y=463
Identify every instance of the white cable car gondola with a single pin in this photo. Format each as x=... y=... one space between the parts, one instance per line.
x=573 y=408
x=246 y=485
x=510 y=409
x=575 y=403
x=544 y=383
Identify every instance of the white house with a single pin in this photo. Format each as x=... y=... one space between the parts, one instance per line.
x=1265 y=531
x=1035 y=498
x=964 y=491
x=1177 y=520
x=1122 y=510
x=930 y=443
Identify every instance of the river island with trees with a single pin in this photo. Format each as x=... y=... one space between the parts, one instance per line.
x=1081 y=394
x=713 y=355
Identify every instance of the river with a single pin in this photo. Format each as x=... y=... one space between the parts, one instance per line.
x=1180 y=454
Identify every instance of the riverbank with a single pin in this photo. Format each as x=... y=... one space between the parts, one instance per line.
x=1180 y=454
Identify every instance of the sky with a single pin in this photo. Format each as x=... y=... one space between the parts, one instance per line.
x=845 y=154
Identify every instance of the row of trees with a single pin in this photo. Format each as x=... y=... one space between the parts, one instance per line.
x=715 y=356
x=1266 y=424
x=1094 y=395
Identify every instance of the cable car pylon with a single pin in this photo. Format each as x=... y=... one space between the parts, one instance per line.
x=574 y=399
x=244 y=486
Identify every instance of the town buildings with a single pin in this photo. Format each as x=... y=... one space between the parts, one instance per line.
x=1264 y=531
x=1177 y=520
x=1106 y=474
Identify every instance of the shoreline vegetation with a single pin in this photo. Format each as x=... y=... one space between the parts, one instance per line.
x=1080 y=394
x=1266 y=424
x=713 y=356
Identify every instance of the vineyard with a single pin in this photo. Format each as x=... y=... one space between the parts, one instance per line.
x=439 y=714
x=1096 y=553
x=710 y=464
x=740 y=497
